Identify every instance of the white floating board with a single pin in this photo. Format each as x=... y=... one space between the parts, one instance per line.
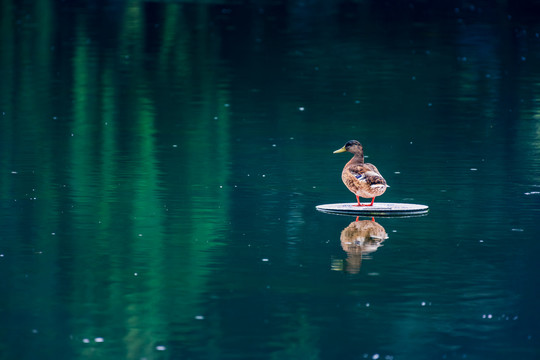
x=378 y=209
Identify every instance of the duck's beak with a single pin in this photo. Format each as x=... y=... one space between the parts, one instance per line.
x=340 y=150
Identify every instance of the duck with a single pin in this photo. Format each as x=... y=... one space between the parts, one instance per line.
x=362 y=179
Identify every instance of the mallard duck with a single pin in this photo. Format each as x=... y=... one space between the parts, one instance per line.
x=363 y=180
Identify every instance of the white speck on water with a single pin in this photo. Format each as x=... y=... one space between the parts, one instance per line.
x=161 y=348
x=274 y=145
x=135 y=274
x=227 y=105
x=367 y=304
x=86 y=341
x=1 y=255
x=264 y=260
x=533 y=193
x=518 y=230
x=474 y=169
x=140 y=234
x=301 y=108
x=397 y=172
x=394 y=231
x=481 y=241
x=99 y=340
x=215 y=117
x=423 y=303
x=263 y=175
x=174 y=145
x=410 y=143
x=375 y=356
x=199 y=317
x=221 y=186
x=14 y=172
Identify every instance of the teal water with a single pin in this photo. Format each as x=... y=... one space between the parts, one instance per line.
x=160 y=164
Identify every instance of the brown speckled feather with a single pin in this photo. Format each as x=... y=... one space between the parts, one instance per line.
x=363 y=180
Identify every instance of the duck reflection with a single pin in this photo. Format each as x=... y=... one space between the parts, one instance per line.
x=360 y=239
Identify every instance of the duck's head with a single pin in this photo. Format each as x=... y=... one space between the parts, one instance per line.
x=351 y=146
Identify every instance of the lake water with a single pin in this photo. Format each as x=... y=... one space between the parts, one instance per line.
x=160 y=164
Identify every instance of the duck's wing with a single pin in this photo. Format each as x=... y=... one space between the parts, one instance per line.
x=373 y=168
x=367 y=173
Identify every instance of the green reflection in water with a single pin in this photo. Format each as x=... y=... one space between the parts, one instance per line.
x=168 y=230
x=128 y=238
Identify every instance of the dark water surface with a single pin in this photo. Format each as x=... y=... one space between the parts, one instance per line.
x=160 y=163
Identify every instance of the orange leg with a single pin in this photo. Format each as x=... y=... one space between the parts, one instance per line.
x=358 y=201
